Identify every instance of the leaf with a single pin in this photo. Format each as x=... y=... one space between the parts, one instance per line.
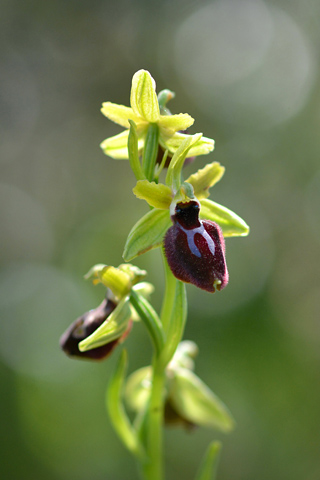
x=195 y=402
x=205 y=178
x=147 y=233
x=117 y=413
x=231 y=224
x=156 y=194
x=208 y=467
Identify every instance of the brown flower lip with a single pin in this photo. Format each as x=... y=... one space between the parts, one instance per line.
x=195 y=249
x=85 y=326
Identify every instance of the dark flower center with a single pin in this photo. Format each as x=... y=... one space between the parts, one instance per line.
x=187 y=215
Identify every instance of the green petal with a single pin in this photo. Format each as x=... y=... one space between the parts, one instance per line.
x=112 y=328
x=156 y=194
x=205 y=178
x=120 y=114
x=117 y=146
x=172 y=143
x=143 y=98
x=138 y=388
x=195 y=402
x=147 y=233
x=174 y=123
x=231 y=224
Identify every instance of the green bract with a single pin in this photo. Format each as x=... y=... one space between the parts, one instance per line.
x=145 y=111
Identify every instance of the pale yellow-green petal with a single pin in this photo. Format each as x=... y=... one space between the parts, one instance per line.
x=117 y=146
x=156 y=194
x=172 y=143
x=120 y=114
x=174 y=123
x=205 y=178
x=143 y=99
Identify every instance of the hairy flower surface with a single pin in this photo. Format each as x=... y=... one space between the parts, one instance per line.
x=195 y=249
x=145 y=111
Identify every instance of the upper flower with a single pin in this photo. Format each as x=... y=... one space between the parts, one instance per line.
x=145 y=111
x=194 y=244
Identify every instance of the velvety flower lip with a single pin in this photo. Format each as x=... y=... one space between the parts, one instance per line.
x=145 y=111
x=85 y=326
x=195 y=249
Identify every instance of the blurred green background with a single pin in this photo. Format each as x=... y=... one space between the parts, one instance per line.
x=248 y=72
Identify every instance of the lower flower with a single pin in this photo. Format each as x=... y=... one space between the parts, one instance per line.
x=87 y=324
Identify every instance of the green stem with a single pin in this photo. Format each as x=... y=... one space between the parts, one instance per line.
x=169 y=295
x=153 y=467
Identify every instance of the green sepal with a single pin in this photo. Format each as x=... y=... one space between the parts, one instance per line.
x=147 y=233
x=117 y=413
x=143 y=98
x=208 y=467
x=173 y=178
x=231 y=224
x=133 y=152
x=205 y=178
x=112 y=328
x=156 y=195
x=177 y=323
x=197 y=403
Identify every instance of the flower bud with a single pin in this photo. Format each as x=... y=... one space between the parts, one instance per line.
x=195 y=249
